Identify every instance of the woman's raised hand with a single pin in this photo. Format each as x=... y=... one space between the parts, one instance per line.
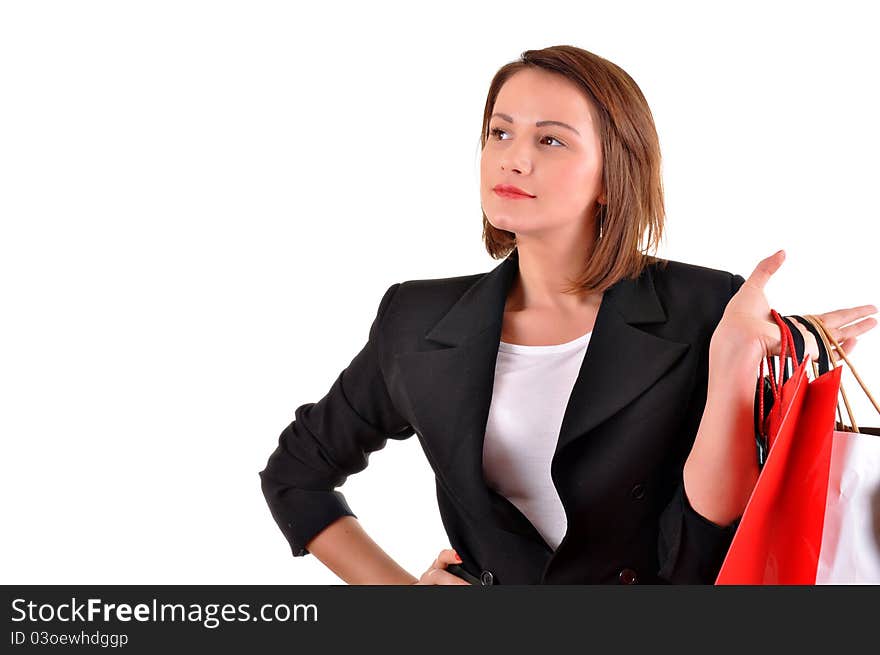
x=748 y=329
x=437 y=573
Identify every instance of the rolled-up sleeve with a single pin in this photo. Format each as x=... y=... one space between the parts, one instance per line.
x=329 y=440
x=690 y=547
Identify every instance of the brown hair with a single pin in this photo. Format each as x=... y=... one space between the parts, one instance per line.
x=631 y=156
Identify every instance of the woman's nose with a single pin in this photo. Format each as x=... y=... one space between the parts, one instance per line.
x=514 y=163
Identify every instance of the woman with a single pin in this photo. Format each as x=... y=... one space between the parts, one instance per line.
x=587 y=408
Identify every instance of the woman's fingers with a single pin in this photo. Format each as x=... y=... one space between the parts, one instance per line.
x=854 y=330
x=446 y=556
x=440 y=576
x=848 y=336
x=437 y=573
x=848 y=345
x=841 y=317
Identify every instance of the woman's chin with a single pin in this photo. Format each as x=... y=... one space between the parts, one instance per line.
x=509 y=223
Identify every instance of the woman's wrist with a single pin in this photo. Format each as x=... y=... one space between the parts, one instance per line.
x=732 y=362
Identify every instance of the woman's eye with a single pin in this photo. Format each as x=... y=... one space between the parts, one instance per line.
x=495 y=131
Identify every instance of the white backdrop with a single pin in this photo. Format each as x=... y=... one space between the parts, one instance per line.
x=203 y=202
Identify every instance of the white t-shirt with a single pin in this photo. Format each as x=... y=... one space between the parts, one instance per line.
x=531 y=391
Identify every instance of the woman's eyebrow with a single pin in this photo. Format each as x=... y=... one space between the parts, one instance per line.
x=538 y=124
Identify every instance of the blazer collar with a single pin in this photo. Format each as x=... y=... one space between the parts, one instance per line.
x=482 y=304
x=450 y=388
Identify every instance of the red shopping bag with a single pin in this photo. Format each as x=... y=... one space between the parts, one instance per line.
x=779 y=536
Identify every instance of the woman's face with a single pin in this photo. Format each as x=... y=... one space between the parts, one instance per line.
x=560 y=167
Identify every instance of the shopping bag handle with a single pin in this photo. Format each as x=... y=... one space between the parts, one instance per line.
x=824 y=353
x=825 y=348
x=837 y=355
x=786 y=341
x=799 y=346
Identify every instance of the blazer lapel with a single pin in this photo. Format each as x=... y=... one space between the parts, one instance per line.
x=622 y=361
x=450 y=382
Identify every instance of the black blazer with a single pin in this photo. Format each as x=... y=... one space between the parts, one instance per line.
x=428 y=369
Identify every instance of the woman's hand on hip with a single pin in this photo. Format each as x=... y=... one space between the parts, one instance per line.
x=437 y=573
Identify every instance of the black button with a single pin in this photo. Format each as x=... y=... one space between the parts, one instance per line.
x=638 y=491
x=627 y=576
x=486 y=578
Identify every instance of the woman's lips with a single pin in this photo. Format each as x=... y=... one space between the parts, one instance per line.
x=512 y=196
